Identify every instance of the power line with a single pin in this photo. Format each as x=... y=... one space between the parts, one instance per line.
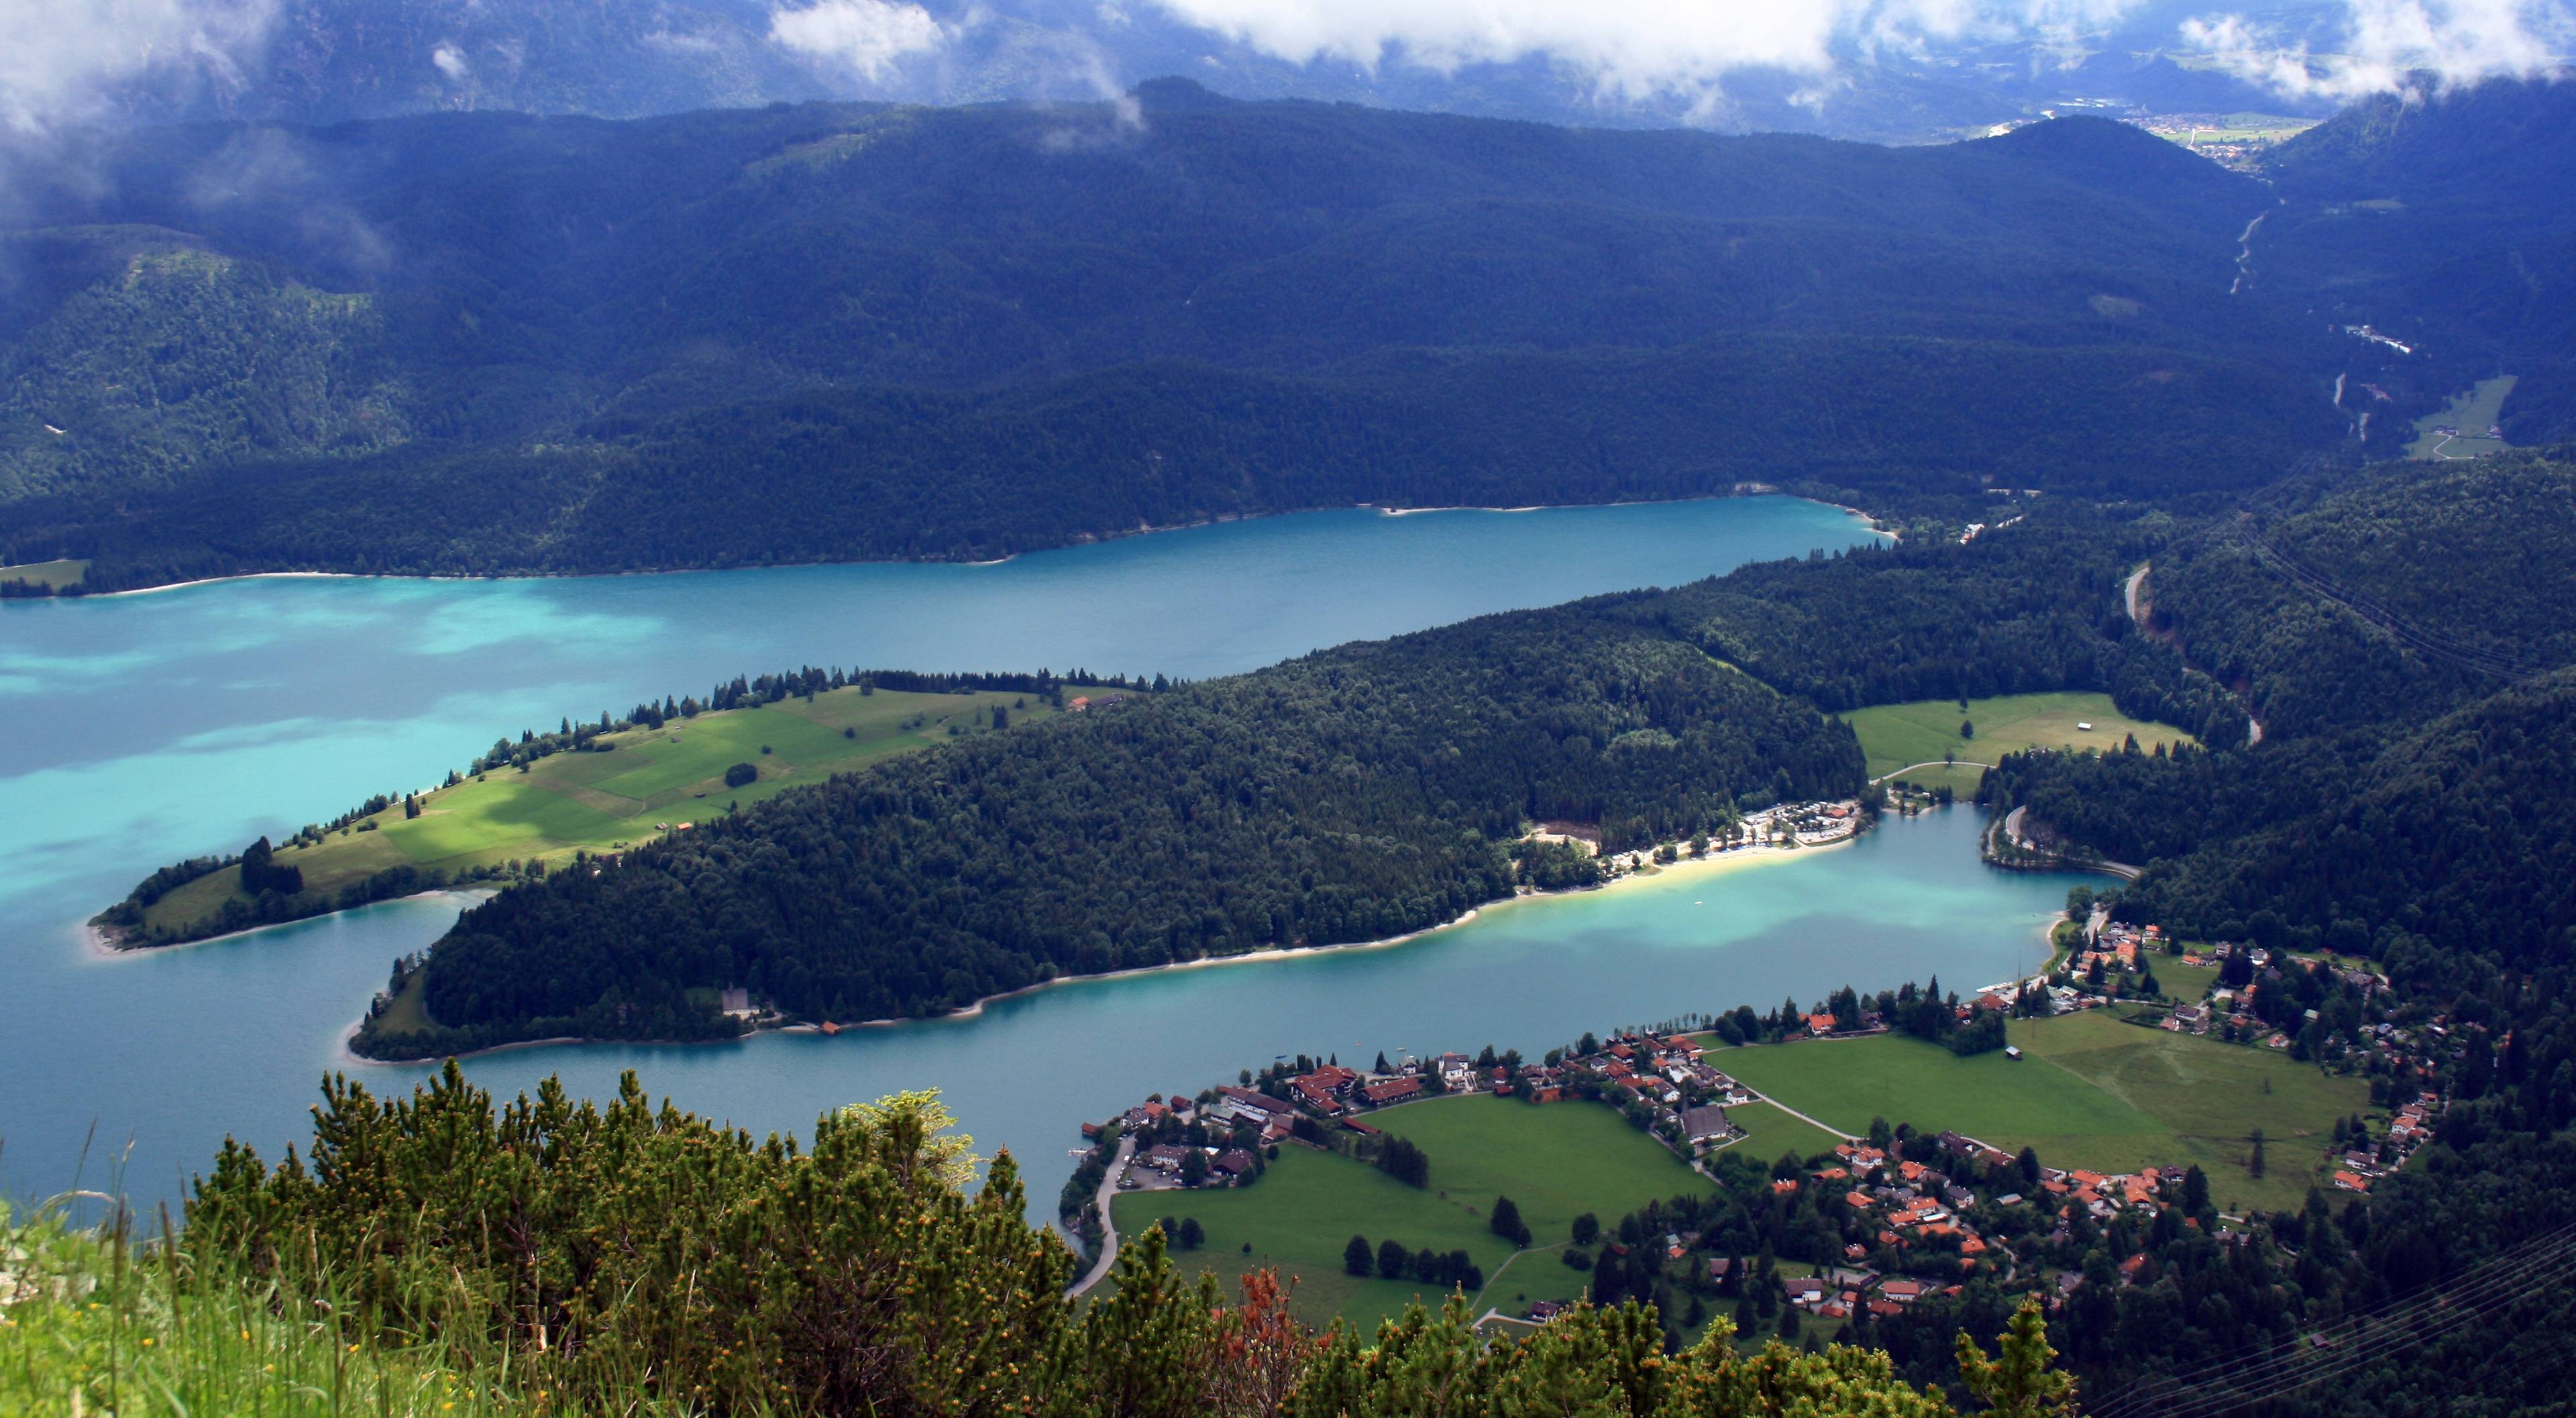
x=2513 y=1266
x=2278 y=1373
x=2345 y=1344
x=2430 y=643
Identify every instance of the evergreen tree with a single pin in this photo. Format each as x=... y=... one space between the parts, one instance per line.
x=1357 y=1257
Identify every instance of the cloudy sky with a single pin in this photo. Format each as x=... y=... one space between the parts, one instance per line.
x=57 y=56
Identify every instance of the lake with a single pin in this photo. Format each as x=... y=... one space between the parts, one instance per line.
x=148 y=728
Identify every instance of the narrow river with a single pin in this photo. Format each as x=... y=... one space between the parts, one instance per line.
x=147 y=728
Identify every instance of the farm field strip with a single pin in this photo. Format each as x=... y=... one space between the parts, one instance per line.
x=1555 y=1162
x=2091 y=1091
x=1897 y=736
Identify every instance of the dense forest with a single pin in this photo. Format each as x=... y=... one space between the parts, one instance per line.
x=877 y=474
x=2024 y=609
x=1349 y=795
x=969 y=331
x=2439 y=216
x=2402 y=639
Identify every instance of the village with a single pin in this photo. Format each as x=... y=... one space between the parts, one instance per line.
x=1910 y=1214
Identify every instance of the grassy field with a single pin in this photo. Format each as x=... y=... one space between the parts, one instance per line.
x=651 y=780
x=56 y=574
x=2474 y=412
x=1768 y=1132
x=1554 y=1162
x=2093 y=1092
x=1898 y=736
x=2188 y=983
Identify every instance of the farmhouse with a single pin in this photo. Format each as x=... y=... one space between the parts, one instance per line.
x=1701 y=1126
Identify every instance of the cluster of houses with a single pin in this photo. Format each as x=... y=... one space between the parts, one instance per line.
x=1807 y=824
x=1664 y=1073
x=2365 y=1162
x=1812 y=824
x=1220 y=1165
x=1843 y=1291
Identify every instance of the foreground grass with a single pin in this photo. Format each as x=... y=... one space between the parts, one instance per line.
x=2093 y=1092
x=1895 y=736
x=85 y=1328
x=651 y=780
x=1554 y=1162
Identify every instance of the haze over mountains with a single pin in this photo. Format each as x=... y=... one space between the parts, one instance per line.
x=1884 y=73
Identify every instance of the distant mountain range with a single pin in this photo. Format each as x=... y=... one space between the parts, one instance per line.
x=324 y=61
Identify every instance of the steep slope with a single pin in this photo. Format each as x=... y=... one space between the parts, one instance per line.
x=2404 y=641
x=1665 y=313
x=2445 y=220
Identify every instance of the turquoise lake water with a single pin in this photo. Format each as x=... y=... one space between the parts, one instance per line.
x=147 y=728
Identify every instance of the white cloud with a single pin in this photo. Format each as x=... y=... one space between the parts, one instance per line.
x=1634 y=47
x=867 y=35
x=1637 y=48
x=451 y=62
x=2387 y=41
x=56 y=59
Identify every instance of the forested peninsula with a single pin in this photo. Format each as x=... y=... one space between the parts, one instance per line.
x=1351 y=795
x=554 y=798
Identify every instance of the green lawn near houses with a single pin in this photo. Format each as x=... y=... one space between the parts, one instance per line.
x=1769 y=1133
x=2213 y=1096
x=2473 y=412
x=2092 y=1092
x=1555 y=1162
x=1895 y=736
x=2187 y=983
x=57 y=574
x=647 y=783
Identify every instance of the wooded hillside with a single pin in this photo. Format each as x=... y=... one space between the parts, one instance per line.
x=490 y=342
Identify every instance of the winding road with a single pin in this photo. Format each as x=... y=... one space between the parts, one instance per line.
x=1108 y=1221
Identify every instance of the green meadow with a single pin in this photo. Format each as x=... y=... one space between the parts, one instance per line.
x=2091 y=1091
x=1555 y=1163
x=1770 y=1133
x=57 y=574
x=2472 y=413
x=1895 y=736
x=647 y=783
